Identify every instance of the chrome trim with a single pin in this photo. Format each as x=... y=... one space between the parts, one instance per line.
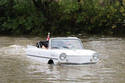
x=43 y=57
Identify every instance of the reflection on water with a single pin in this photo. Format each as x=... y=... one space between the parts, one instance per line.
x=15 y=67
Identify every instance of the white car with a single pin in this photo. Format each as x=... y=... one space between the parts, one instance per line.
x=63 y=50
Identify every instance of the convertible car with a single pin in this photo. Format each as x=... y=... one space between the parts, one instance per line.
x=62 y=50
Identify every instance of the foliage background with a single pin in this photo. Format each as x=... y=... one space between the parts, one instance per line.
x=62 y=17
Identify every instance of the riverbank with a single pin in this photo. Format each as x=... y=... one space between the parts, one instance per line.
x=81 y=36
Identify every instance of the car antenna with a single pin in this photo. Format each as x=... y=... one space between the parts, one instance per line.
x=48 y=36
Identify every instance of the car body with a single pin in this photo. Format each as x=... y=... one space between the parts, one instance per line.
x=63 y=50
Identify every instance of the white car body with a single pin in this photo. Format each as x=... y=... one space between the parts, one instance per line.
x=63 y=56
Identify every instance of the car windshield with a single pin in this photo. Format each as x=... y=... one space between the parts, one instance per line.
x=66 y=44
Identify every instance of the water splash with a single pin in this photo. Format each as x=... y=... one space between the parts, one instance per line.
x=13 y=50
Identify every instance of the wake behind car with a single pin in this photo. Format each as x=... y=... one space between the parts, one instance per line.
x=62 y=50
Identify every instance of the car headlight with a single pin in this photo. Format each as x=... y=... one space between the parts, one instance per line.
x=62 y=56
x=95 y=56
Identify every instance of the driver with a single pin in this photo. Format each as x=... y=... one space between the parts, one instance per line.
x=44 y=44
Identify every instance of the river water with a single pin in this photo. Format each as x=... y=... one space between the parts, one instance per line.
x=15 y=67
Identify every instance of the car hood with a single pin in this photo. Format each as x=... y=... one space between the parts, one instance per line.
x=75 y=52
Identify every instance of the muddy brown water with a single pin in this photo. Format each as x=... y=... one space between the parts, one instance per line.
x=15 y=67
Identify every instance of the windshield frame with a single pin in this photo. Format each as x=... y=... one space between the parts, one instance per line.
x=50 y=42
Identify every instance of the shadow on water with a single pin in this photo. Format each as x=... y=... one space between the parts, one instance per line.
x=15 y=67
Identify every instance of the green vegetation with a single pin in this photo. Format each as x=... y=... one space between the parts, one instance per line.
x=38 y=17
